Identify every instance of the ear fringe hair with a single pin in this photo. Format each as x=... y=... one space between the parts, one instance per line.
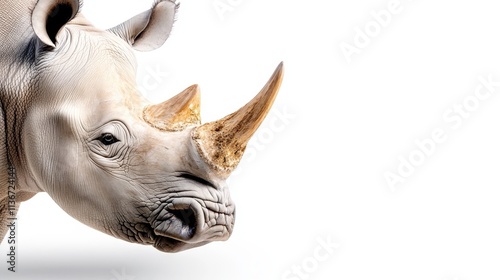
x=176 y=2
x=177 y=5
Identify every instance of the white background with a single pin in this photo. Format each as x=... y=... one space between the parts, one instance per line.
x=319 y=175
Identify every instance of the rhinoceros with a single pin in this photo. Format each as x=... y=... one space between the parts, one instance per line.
x=73 y=124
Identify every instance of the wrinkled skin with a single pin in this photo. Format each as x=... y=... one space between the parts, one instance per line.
x=77 y=131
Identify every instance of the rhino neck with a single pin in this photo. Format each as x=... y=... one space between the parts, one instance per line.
x=15 y=78
x=14 y=107
x=16 y=92
x=14 y=184
x=17 y=69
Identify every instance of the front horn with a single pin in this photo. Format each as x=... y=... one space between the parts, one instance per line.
x=222 y=143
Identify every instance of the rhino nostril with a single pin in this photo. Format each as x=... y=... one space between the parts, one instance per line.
x=188 y=219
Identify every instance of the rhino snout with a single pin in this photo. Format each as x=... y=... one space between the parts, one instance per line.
x=186 y=223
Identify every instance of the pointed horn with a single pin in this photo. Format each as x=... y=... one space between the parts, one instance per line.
x=177 y=113
x=222 y=143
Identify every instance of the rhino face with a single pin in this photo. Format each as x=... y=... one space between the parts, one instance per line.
x=149 y=174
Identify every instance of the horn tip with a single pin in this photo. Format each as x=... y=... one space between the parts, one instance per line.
x=194 y=87
x=280 y=67
x=278 y=73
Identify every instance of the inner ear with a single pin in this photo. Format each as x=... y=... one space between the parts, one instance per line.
x=58 y=17
x=49 y=17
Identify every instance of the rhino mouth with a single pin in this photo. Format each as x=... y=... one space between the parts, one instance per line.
x=185 y=223
x=169 y=245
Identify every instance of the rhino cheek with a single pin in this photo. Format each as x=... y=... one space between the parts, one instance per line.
x=112 y=207
x=61 y=166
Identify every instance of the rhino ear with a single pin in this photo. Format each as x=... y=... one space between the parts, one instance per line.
x=49 y=16
x=149 y=30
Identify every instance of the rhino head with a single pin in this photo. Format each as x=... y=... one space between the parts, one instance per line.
x=145 y=173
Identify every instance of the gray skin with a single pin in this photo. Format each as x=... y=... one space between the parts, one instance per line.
x=73 y=125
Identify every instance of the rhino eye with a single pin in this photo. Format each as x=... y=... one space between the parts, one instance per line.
x=108 y=139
